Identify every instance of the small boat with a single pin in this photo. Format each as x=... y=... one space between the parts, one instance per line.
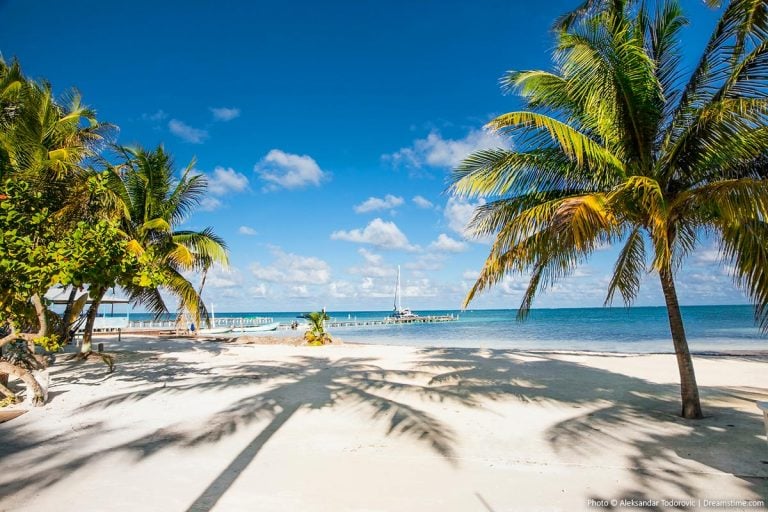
x=257 y=328
x=215 y=330
x=399 y=312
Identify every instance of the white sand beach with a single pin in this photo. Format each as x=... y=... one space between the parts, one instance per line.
x=190 y=425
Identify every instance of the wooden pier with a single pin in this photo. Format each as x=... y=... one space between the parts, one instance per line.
x=392 y=321
x=235 y=322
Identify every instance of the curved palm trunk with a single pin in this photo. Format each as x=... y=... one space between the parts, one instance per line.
x=689 y=390
x=33 y=387
x=87 y=347
x=65 y=324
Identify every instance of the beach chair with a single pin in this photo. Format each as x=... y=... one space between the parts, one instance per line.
x=763 y=406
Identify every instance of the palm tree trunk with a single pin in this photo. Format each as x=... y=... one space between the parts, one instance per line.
x=65 y=324
x=87 y=347
x=689 y=390
x=200 y=298
x=41 y=318
x=33 y=387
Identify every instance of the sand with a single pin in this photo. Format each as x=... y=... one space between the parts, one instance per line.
x=192 y=425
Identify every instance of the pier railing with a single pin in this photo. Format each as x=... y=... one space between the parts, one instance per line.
x=235 y=322
x=224 y=321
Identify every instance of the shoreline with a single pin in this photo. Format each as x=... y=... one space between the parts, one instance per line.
x=277 y=335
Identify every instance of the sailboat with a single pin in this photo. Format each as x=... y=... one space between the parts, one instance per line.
x=399 y=312
x=213 y=329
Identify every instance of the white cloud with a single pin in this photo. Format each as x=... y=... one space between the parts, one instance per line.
x=435 y=151
x=374 y=265
x=447 y=244
x=247 y=230
x=219 y=277
x=157 y=116
x=470 y=275
x=285 y=170
x=299 y=292
x=422 y=202
x=292 y=268
x=426 y=262
x=458 y=212
x=419 y=288
x=224 y=113
x=259 y=291
x=208 y=204
x=341 y=289
x=707 y=256
x=225 y=180
x=376 y=203
x=379 y=233
x=186 y=132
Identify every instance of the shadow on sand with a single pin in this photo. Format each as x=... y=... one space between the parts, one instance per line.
x=467 y=377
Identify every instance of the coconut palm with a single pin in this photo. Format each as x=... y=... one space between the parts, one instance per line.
x=157 y=202
x=618 y=146
x=46 y=142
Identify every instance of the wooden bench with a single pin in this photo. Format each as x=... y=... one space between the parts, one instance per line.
x=763 y=406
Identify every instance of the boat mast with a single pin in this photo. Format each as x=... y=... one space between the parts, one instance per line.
x=397 y=290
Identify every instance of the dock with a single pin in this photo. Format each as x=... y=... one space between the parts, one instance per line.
x=234 y=322
x=392 y=321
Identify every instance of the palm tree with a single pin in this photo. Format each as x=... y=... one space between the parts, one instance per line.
x=46 y=142
x=157 y=203
x=617 y=145
x=317 y=335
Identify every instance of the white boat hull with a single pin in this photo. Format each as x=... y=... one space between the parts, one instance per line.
x=257 y=328
x=215 y=330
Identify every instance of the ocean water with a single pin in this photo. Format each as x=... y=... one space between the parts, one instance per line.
x=639 y=329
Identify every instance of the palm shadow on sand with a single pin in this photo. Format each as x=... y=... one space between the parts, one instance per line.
x=305 y=383
x=467 y=377
x=727 y=440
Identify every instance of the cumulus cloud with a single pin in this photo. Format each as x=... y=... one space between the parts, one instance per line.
x=285 y=170
x=436 y=151
x=208 y=204
x=458 y=212
x=157 y=116
x=426 y=262
x=224 y=113
x=292 y=268
x=247 y=230
x=470 y=275
x=422 y=202
x=186 y=132
x=374 y=265
x=341 y=290
x=376 y=203
x=259 y=291
x=445 y=243
x=224 y=180
x=379 y=233
x=219 y=277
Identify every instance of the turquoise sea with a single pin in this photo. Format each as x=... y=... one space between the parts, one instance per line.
x=638 y=329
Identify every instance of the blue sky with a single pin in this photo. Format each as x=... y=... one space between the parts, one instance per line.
x=327 y=131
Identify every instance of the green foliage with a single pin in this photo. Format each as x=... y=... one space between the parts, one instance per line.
x=50 y=343
x=316 y=334
x=29 y=248
x=36 y=257
x=156 y=202
x=619 y=145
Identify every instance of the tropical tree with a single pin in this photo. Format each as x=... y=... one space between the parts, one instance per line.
x=157 y=202
x=316 y=334
x=44 y=144
x=617 y=145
